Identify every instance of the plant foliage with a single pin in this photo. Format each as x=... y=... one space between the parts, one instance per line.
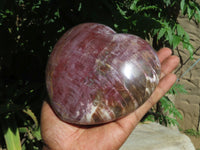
x=192 y=132
x=168 y=114
x=159 y=20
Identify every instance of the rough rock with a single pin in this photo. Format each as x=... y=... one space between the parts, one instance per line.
x=153 y=136
x=189 y=104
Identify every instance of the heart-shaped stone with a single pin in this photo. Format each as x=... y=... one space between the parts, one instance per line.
x=95 y=75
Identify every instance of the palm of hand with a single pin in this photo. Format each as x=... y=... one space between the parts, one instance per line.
x=59 y=135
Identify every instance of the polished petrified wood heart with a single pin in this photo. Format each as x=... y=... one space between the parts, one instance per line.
x=95 y=75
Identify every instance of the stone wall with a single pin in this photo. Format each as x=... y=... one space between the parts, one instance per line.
x=189 y=104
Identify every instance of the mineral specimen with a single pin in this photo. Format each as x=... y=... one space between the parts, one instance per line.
x=95 y=75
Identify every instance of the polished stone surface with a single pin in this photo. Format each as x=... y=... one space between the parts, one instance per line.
x=95 y=75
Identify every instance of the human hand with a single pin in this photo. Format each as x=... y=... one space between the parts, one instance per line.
x=59 y=135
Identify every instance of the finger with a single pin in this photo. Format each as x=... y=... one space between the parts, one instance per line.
x=163 y=53
x=169 y=64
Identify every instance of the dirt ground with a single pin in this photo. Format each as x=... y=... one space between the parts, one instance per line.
x=195 y=141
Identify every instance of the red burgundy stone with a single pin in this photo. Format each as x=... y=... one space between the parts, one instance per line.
x=95 y=75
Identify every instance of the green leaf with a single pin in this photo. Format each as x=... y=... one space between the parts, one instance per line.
x=37 y=134
x=150 y=118
x=178 y=115
x=197 y=18
x=180 y=30
x=32 y=115
x=170 y=109
x=190 y=49
x=197 y=15
x=192 y=4
x=161 y=33
x=170 y=37
x=80 y=6
x=176 y=41
x=23 y=129
x=134 y=5
x=186 y=37
x=116 y=25
x=9 y=12
x=155 y=32
x=125 y=30
x=167 y=2
x=182 y=6
x=149 y=8
x=122 y=12
x=11 y=133
x=57 y=14
x=180 y=88
x=177 y=88
x=61 y=30
x=189 y=12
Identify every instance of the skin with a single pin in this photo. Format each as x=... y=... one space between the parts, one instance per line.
x=59 y=135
